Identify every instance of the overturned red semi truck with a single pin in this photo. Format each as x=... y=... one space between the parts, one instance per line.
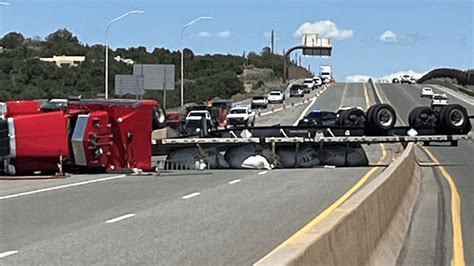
x=92 y=135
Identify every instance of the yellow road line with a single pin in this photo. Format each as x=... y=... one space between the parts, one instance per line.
x=458 y=247
x=337 y=203
x=330 y=209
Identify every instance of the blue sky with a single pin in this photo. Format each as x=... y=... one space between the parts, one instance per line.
x=416 y=35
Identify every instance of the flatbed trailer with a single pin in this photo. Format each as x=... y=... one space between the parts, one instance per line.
x=291 y=135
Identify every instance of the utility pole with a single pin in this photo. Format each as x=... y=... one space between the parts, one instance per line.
x=273 y=42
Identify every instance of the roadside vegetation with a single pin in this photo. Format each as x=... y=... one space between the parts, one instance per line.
x=24 y=76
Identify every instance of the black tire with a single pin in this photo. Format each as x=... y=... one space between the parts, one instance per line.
x=454 y=119
x=158 y=118
x=352 y=117
x=381 y=118
x=422 y=117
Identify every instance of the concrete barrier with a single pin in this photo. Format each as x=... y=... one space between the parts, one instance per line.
x=368 y=229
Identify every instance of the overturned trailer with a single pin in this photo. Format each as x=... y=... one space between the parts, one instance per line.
x=333 y=138
x=97 y=135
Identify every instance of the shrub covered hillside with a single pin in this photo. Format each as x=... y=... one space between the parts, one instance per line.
x=24 y=76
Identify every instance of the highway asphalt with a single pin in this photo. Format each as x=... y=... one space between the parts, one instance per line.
x=212 y=217
x=459 y=163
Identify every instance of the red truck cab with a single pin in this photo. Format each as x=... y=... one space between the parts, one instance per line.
x=84 y=135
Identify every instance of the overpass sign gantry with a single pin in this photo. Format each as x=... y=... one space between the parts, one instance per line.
x=313 y=45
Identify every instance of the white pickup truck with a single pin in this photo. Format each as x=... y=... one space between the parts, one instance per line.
x=241 y=115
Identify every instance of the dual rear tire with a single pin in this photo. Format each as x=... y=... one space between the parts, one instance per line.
x=448 y=119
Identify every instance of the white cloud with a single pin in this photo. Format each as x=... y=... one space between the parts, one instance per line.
x=388 y=36
x=325 y=28
x=392 y=37
x=223 y=34
x=358 y=78
x=204 y=34
x=389 y=77
x=398 y=74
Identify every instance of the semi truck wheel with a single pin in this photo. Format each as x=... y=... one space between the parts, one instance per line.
x=454 y=119
x=422 y=117
x=158 y=118
x=353 y=117
x=381 y=118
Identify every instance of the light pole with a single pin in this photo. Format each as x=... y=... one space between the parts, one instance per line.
x=107 y=47
x=182 y=54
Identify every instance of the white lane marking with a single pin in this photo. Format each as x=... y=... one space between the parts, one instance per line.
x=8 y=253
x=120 y=218
x=234 y=181
x=191 y=195
x=305 y=111
x=263 y=172
x=343 y=96
x=60 y=187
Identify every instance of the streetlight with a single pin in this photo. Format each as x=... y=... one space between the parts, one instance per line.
x=182 y=54
x=107 y=47
x=4 y=4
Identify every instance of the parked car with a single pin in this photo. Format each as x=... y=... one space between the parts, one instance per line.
x=259 y=102
x=407 y=79
x=309 y=83
x=196 y=120
x=317 y=81
x=426 y=92
x=439 y=100
x=296 y=90
x=276 y=96
x=395 y=80
x=241 y=115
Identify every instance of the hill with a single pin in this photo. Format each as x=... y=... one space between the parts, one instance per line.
x=24 y=76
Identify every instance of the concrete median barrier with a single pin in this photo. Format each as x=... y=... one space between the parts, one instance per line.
x=367 y=229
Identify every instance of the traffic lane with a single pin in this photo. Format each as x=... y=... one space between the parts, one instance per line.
x=99 y=199
x=22 y=184
x=124 y=193
x=457 y=160
x=228 y=224
x=289 y=101
x=451 y=93
x=402 y=99
x=466 y=100
x=330 y=99
x=354 y=95
x=31 y=218
x=287 y=116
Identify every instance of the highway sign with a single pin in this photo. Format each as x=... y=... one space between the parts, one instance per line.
x=315 y=45
x=156 y=77
x=129 y=84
